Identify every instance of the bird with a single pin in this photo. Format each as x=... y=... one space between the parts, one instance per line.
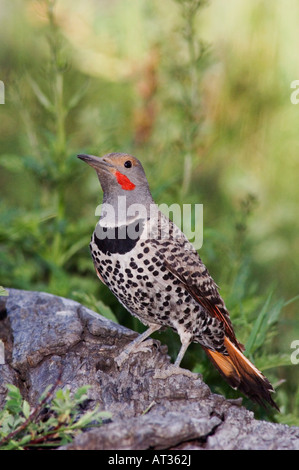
x=156 y=273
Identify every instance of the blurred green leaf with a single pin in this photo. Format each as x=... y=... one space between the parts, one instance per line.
x=21 y=428
x=272 y=361
x=14 y=163
x=26 y=409
x=257 y=335
x=3 y=292
x=42 y=98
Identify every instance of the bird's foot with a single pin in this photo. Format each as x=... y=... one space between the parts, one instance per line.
x=133 y=349
x=174 y=370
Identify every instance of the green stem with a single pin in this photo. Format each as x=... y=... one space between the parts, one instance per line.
x=189 y=13
x=60 y=118
x=60 y=146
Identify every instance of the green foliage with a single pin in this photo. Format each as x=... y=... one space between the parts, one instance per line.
x=202 y=98
x=47 y=233
x=55 y=421
x=257 y=318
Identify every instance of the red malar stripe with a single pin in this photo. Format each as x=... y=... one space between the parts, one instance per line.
x=124 y=181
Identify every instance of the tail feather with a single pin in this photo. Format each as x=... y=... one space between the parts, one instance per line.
x=241 y=374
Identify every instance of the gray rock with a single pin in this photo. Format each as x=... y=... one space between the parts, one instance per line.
x=46 y=336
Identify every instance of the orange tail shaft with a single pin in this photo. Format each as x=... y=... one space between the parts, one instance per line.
x=241 y=374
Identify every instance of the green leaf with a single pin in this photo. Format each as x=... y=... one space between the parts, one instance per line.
x=42 y=98
x=26 y=409
x=91 y=416
x=81 y=394
x=74 y=100
x=3 y=292
x=288 y=302
x=45 y=393
x=13 y=392
x=272 y=361
x=12 y=444
x=251 y=342
x=12 y=162
x=25 y=440
x=73 y=249
x=270 y=319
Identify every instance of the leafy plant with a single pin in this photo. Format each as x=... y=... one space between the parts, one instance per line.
x=49 y=233
x=55 y=421
x=182 y=69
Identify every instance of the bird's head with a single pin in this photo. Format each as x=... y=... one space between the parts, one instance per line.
x=120 y=174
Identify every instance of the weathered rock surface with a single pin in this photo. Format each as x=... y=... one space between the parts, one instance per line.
x=45 y=336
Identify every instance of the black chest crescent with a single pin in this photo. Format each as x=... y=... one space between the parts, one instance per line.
x=120 y=239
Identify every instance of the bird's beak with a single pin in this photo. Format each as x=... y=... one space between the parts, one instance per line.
x=99 y=164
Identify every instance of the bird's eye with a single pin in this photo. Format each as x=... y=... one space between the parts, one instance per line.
x=128 y=164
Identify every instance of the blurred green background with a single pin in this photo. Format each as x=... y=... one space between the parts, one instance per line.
x=200 y=92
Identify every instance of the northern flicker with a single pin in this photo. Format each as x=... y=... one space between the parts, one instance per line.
x=158 y=276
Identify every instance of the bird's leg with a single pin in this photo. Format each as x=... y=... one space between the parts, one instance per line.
x=136 y=345
x=181 y=354
x=175 y=369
